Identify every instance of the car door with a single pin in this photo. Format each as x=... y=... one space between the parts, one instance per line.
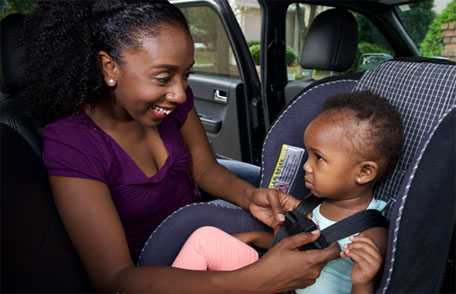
x=224 y=81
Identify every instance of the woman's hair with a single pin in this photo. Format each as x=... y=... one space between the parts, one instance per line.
x=63 y=38
x=381 y=137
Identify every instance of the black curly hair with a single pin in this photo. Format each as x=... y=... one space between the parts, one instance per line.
x=62 y=39
x=381 y=137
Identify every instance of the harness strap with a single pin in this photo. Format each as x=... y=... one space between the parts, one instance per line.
x=297 y=221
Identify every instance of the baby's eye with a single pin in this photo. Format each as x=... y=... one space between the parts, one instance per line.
x=319 y=157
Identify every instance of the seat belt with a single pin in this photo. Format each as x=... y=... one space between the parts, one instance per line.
x=297 y=221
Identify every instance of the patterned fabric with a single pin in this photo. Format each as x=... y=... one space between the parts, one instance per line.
x=289 y=128
x=418 y=93
x=424 y=94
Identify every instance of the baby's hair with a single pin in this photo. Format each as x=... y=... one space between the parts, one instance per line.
x=62 y=40
x=383 y=134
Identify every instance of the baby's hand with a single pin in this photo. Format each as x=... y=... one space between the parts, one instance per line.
x=367 y=260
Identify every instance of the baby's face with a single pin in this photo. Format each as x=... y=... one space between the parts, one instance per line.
x=332 y=164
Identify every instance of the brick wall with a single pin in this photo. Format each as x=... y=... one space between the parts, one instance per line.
x=449 y=40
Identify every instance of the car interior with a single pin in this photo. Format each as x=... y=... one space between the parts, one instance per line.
x=37 y=255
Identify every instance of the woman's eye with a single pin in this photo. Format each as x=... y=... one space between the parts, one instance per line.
x=162 y=80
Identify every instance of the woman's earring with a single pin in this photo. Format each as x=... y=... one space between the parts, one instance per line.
x=111 y=82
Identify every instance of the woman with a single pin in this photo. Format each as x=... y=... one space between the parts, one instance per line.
x=124 y=146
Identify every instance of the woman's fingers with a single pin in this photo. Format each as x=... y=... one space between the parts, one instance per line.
x=298 y=240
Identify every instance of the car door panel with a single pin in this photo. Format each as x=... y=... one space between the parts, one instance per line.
x=216 y=103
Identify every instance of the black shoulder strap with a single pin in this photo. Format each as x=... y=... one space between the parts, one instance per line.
x=353 y=224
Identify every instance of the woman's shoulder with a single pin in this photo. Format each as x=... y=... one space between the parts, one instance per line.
x=75 y=127
x=73 y=146
x=76 y=131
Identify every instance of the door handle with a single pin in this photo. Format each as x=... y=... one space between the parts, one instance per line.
x=220 y=96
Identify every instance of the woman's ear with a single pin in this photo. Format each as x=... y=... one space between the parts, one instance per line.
x=109 y=68
x=367 y=172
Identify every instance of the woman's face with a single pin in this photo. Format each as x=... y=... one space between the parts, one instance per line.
x=152 y=80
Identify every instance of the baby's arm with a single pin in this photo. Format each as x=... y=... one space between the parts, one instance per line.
x=367 y=251
x=258 y=239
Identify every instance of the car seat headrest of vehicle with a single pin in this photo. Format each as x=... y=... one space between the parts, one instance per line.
x=12 y=53
x=331 y=41
x=423 y=93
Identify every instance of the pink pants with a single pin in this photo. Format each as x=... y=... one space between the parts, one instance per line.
x=209 y=248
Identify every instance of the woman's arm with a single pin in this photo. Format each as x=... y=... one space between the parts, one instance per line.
x=209 y=175
x=94 y=227
x=268 y=205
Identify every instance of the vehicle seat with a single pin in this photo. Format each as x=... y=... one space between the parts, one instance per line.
x=325 y=50
x=37 y=255
x=421 y=188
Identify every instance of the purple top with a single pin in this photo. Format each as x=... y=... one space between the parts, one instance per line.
x=76 y=147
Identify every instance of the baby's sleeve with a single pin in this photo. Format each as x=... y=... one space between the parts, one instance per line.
x=71 y=154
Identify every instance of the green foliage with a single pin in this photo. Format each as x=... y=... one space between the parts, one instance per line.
x=251 y=43
x=368 y=33
x=13 y=6
x=417 y=20
x=255 y=52
x=365 y=47
x=255 y=48
x=432 y=44
x=290 y=56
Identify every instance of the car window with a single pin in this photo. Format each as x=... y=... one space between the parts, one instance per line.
x=16 y=6
x=423 y=23
x=213 y=52
x=248 y=14
x=372 y=46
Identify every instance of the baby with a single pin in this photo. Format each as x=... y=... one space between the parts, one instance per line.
x=351 y=145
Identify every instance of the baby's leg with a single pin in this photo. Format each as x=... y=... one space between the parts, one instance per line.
x=209 y=248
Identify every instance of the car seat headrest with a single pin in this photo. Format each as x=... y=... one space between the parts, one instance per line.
x=331 y=42
x=11 y=53
x=423 y=92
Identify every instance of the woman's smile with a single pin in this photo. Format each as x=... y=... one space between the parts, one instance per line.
x=159 y=112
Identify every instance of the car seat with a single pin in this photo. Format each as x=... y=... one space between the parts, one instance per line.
x=36 y=253
x=421 y=188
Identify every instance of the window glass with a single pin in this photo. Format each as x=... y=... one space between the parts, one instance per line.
x=248 y=15
x=372 y=46
x=14 y=6
x=417 y=20
x=213 y=53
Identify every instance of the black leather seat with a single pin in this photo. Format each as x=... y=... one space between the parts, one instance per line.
x=326 y=50
x=36 y=253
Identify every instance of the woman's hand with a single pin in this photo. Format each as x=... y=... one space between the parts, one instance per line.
x=367 y=262
x=269 y=205
x=284 y=267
